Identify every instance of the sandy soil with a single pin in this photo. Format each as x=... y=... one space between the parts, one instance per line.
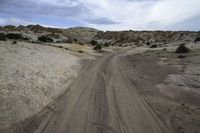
x=110 y=102
x=142 y=90
x=31 y=76
x=181 y=92
x=82 y=51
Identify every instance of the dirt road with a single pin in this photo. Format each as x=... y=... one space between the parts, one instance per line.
x=103 y=99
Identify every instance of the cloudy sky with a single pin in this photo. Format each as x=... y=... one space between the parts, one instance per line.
x=104 y=14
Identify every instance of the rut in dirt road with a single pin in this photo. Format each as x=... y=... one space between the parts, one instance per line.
x=103 y=100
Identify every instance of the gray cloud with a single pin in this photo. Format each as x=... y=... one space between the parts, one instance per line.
x=64 y=11
x=102 y=21
x=142 y=0
x=190 y=24
x=14 y=21
x=134 y=14
x=27 y=8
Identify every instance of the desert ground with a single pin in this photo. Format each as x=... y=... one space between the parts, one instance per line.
x=126 y=87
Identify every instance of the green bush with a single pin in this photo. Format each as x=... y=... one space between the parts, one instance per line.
x=197 y=39
x=65 y=41
x=153 y=46
x=106 y=44
x=182 y=49
x=93 y=42
x=15 y=36
x=58 y=41
x=81 y=43
x=14 y=42
x=148 y=43
x=36 y=42
x=10 y=27
x=2 y=37
x=59 y=46
x=80 y=51
x=75 y=40
x=97 y=47
x=45 y=39
x=54 y=35
x=164 y=49
x=68 y=41
x=181 y=56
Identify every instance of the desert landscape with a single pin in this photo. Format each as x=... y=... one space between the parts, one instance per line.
x=56 y=80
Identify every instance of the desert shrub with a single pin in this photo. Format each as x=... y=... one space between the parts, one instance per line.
x=164 y=49
x=10 y=26
x=14 y=42
x=81 y=43
x=2 y=37
x=182 y=49
x=65 y=41
x=25 y=38
x=45 y=39
x=59 y=46
x=35 y=42
x=181 y=56
x=54 y=35
x=97 y=47
x=75 y=40
x=106 y=44
x=93 y=42
x=15 y=36
x=68 y=41
x=148 y=43
x=153 y=46
x=58 y=41
x=80 y=51
x=197 y=39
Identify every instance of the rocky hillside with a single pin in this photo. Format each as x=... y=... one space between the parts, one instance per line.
x=129 y=38
x=33 y=32
x=86 y=35
x=81 y=34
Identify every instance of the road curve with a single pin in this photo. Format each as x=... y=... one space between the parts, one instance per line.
x=103 y=100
